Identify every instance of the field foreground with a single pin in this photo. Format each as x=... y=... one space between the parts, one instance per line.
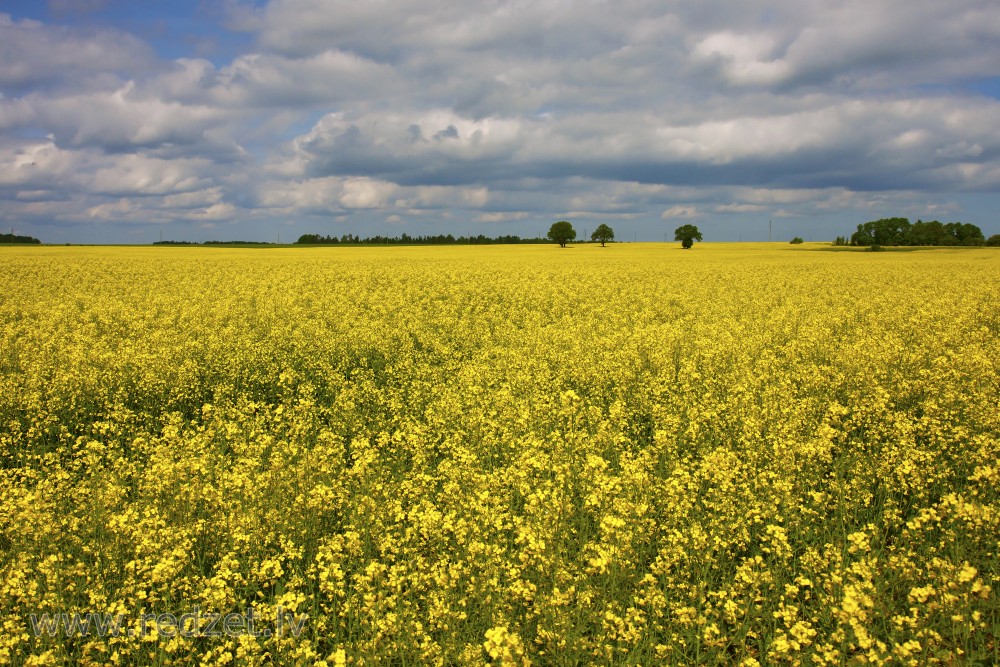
x=738 y=454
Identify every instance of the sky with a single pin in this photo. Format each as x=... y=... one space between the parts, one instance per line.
x=125 y=121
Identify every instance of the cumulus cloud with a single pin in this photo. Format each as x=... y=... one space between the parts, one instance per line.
x=43 y=165
x=121 y=119
x=425 y=148
x=392 y=30
x=35 y=55
x=879 y=144
x=679 y=212
x=502 y=216
x=40 y=179
x=507 y=112
x=328 y=195
x=262 y=80
x=886 y=43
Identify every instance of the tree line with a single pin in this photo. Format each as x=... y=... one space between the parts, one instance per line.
x=15 y=238
x=899 y=231
x=406 y=239
x=211 y=243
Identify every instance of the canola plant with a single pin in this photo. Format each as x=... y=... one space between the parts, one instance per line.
x=739 y=454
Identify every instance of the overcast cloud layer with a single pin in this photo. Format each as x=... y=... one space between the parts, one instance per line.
x=392 y=116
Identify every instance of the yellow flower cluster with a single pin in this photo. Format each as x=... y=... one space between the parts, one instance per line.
x=739 y=454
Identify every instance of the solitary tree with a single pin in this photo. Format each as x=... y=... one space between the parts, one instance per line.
x=603 y=233
x=562 y=233
x=687 y=235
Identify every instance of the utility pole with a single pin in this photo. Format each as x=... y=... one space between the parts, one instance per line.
x=769 y=230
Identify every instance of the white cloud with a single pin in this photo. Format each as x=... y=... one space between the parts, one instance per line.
x=502 y=216
x=136 y=174
x=215 y=212
x=739 y=208
x=33 y=54
x=365 y=193
x=679 y=212
x=42 y=165
x=835 y=143
x=859 y=42
x=744 y=58
x=261 y=80
x=42 y=180
x=507 y=111
x=125 y=118
x=318 y=195
x=123 y=209
x=424 y=148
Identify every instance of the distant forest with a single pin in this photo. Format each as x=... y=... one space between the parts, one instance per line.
x=14 y=238
x=899 y=231
x=406 y=239
x=211 y=243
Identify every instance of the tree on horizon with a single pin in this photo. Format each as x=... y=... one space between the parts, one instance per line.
x=687 y=235
x=603 y=234
x=562 y=232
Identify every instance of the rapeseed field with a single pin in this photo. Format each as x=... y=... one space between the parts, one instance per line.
x=733 y=455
